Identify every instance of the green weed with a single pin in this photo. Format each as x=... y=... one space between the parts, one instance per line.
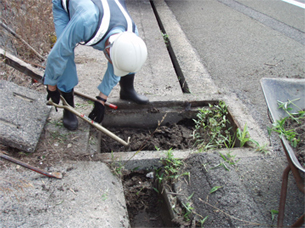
x=78 y=105
x=286 y=107
x=165 y=38
x=273 y=213
x=57 y=123
x=211 y=128
x=188 y=211
x=171 y=167
x=214 y=189
x=290 y=135
x=190 y=197
x=229 y=158
x=262 y=148
x=116 y=167
x=105 y=196
x=202 y=221
x=244 y=137
x=61 y=138
x=221 y=164
x=279 y=125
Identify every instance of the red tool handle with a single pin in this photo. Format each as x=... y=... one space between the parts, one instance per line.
x=93 y=99
x=111 y=105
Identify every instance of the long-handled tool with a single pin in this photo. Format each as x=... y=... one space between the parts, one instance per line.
x=57 y=175
x=93 y=99
x=87 y=119
x=36 y=74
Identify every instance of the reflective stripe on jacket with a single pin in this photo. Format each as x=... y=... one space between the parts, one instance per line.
x=112 y=13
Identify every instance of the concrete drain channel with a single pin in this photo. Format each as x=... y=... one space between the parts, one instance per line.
x=154 y=129
x=148 y=202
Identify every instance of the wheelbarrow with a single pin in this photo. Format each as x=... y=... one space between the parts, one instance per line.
x=284 y=90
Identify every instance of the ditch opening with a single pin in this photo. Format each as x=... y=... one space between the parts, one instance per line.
x=146 y=206
x=177 y=136
x=170 y=127
x=180 y=76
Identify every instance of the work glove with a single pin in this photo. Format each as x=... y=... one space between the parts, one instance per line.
x=97 y=114
x=54 y=95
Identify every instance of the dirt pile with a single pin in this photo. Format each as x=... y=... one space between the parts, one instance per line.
x=143 y=201
x=175 y=136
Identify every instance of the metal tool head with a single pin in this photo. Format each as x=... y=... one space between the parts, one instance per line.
x=57 y=175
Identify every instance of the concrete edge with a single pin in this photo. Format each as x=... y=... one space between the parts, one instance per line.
x=151 y=159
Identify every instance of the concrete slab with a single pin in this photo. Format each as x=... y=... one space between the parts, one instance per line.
x=89 y=195
x=262 y=177
x=23 y=116
x=231 y=197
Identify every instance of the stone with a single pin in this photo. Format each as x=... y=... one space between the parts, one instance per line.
x=23 y=115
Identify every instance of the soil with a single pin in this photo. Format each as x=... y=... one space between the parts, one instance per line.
x=145 y=206
x=176 y=136
x=299 y=128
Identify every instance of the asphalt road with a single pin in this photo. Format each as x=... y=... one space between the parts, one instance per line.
x=240 y=42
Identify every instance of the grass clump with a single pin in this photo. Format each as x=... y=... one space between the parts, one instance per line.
x=280 y=125
x=170 y=168
x=212 y=128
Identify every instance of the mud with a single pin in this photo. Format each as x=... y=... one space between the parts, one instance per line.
x=145 y=206
x=176 y=136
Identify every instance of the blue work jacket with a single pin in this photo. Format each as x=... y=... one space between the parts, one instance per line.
x=76 y=25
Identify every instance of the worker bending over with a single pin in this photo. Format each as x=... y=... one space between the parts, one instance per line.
x=106 y=26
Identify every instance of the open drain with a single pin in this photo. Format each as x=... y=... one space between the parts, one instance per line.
x=176 y=136
x=146 y=207
x=180 y=76
x=157 y=126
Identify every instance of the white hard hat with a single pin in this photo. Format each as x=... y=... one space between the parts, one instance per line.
x=128 y=53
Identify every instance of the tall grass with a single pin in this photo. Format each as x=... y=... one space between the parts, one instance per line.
x=32 y=20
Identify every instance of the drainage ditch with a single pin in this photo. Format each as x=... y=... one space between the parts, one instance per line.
x=177 y=136
x=156 y=126
x=180 y=76
x=146 y=207
x=152 y=127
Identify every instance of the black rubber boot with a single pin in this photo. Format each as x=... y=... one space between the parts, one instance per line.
x=128 y=92
x=69 y=120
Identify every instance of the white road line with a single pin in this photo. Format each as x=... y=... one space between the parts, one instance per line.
x=296 y=3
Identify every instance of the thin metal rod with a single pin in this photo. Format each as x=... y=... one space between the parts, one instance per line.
x=283 y=197
x=300 y=184
x=41 y=171
x=295 y=171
